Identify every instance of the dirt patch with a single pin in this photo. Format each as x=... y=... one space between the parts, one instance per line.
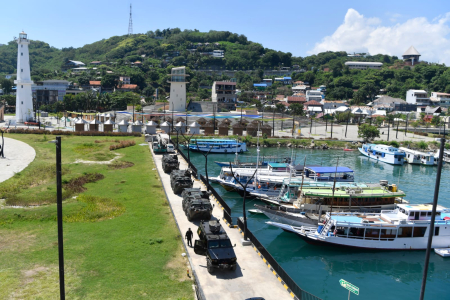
x=16 y=240
x=76 y=184
x=120 y=165
x=29 y=275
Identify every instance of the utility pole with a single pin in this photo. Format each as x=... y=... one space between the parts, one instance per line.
x=389 y=123
x=398 y=122
x=332 y=119
x=273 y=123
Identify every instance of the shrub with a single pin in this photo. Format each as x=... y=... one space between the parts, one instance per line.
x=394 y=144
x=122 y=144
x=76 y=133
x=422 y=145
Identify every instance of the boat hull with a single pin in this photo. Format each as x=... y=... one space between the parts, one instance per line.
x=287 y=218
x=388 y=159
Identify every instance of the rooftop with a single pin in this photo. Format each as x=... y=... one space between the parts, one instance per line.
x=411 y=51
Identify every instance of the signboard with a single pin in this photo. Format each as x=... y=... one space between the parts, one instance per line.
x=352 y=288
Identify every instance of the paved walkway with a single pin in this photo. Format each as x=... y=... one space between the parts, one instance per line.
x=252 y=278
x=18 y=155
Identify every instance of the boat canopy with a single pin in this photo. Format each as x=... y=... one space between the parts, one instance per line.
x=324 y=170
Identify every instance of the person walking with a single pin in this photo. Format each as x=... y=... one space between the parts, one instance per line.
x=188 y=237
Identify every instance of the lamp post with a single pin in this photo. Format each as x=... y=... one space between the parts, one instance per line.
x=348 y=118
x=273 y=123
x=59 y=217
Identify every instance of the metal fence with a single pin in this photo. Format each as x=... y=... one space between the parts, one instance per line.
x=226 y=208
x=190 y=165
x=299 y=293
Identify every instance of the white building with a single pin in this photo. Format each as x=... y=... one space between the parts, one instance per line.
x=363 y=65
x=24 y=100
x=223 y=92
x=218 y=53
x=125 y=79
x=313 y=95
x=441 y=99
x=419 y=97
x=177 y=101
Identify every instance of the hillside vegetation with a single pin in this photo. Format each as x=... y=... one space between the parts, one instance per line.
x=161 y=50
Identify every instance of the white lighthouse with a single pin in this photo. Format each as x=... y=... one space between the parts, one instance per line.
x=24 y=101
x=177 y=101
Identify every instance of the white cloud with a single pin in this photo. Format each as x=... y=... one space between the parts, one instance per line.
x=360 y=34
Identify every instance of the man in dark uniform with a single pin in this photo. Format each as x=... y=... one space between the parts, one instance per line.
x=188 y=236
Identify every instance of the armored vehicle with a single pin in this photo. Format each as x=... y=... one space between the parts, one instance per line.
x=215 y=244
x=180 y=180
x=196 y=204
x=170 y=162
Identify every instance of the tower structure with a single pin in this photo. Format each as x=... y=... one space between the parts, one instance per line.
x=24 y=100
x=130 y=23
x=411 y=56
x=177 y=101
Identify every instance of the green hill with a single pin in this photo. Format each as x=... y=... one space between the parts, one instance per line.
x=160 y=50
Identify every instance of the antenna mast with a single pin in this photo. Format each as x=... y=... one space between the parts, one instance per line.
x=130 y=23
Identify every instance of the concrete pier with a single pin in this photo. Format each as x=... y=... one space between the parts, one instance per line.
x=252 y=277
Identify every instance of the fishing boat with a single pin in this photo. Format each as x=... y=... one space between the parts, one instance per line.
x=267 y=177
x=404 y=228
x=216 y=146
x=367 y=196
x=249 y=161
x=445 y=157
x=417 y=157
x=383 y=153
x=341 y=174
x=346 y=149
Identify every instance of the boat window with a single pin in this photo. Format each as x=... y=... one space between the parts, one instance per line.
x=423 y=213
x=404 y=232
x=372 y=233
x=356 y=232
x=429 y=213
x=388 y=233
x=411 y=214
x=419 y=231
x=341 y=231
x=436 y=230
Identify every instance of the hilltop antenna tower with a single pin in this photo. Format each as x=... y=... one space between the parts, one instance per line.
x=130 y=23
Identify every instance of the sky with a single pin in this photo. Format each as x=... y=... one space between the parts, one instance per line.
x=300 y=27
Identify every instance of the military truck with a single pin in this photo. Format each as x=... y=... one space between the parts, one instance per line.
x=215 y=244
x=180 y=180
x=170 y=162
x=196 y=204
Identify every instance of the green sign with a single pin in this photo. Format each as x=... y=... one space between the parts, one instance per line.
x=352 y=288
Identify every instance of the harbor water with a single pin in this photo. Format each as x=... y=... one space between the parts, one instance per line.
x=318 y=269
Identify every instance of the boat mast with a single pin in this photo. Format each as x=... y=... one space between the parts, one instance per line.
x=334 y=186
x=303 y=178
x=257 y=157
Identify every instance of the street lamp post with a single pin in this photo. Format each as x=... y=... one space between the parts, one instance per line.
x=59 y=217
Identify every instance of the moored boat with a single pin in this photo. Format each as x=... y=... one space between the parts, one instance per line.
x=383 y=153
x=418 y=157
x=404 y=228
x=216 y=146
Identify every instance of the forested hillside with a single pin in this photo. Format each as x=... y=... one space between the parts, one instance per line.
x=160 y=50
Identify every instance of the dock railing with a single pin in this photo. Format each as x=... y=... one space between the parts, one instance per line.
x=293 y=288
x=226 y=208
x=191 y=166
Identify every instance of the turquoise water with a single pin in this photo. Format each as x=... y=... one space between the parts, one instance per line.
x=379 y=275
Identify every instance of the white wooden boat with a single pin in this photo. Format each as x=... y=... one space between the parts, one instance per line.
x=418 y=157
x=445 y=158
x=405 y=228
x=383 y=153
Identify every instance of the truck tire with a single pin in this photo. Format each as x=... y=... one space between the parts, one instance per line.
x=189 y=217
x=209 y=266
x=233 y=268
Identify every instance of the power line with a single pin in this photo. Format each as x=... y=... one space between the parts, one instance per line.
x=130 y=23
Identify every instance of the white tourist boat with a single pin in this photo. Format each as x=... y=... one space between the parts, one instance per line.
x=418 y=157
x=444 y=252
x=445 y=158
x=216 y=145
x=404 y=228
x=383 y=153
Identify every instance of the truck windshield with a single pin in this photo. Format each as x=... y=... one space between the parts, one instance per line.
x=219 y=244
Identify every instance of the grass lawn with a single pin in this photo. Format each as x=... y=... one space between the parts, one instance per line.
x=120 y=239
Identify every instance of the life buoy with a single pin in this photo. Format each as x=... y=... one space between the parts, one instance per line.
x=318 y=174
x=259 y=186
x=275 y=188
